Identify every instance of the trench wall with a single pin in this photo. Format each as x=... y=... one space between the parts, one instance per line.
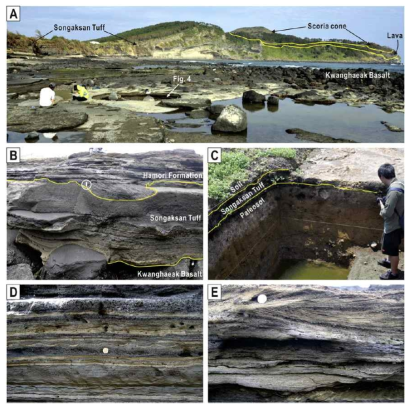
x=295 y=222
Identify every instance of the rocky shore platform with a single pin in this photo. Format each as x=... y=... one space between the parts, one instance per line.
x=128 y=96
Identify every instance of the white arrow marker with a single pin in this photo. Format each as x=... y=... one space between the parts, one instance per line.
x=168 y=95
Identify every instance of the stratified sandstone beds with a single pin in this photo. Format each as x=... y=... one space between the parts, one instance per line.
x=58 y=335
x=307 y=344
x=76 y=233
x=299 y=222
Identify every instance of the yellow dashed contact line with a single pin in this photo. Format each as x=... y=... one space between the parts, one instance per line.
x=320 y=44
x=147 y=186
x=282 y=183
x=155 y=266
x=253 y=183
x=306 y=44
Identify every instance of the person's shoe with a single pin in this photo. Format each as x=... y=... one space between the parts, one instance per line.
x=388 y=275
x=385 y=263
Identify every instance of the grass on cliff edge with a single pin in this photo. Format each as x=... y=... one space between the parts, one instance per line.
x=234 y=167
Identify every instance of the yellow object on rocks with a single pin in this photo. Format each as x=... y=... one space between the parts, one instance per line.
x=83 y=92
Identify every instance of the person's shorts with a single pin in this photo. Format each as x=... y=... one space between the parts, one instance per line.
x=391 y=242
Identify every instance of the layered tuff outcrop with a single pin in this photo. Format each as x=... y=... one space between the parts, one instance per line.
x=307 y=343
x=105 y=343
x=134 y=212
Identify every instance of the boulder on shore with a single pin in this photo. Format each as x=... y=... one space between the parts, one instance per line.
x=74 y=262
x=113 y=96
x=253 y=97
x=313 y=97
x=215 y=110
x=273 y=100
x=198 y=113
x=32 y=136
x=231 y=119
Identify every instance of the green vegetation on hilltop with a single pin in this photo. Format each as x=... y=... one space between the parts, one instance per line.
x=269 y=37
x=342 y=50
x=195 y=40
x=235 y=167
x=159 y=31
x=59 y=45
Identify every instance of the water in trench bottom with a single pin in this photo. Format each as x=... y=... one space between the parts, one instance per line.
x=289 y=269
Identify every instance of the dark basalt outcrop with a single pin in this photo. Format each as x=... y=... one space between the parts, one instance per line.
x=74 y=232
x=54 y=118
x=307 y=344
x=117 y=120
x=311 y=136
x=105 y=344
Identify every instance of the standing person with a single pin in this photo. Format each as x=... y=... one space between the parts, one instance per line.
x=81 y=93
x=392 y=211
x=47 y=96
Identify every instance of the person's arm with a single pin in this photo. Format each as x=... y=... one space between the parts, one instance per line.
x=388 y=209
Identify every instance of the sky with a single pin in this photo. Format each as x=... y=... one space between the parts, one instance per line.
x=370 y=23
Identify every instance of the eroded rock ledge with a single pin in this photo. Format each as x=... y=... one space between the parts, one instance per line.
x=76 y=233
x=58 y=335
x=307 y=343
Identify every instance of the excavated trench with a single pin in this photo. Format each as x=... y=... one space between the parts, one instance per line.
x=299 y=226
